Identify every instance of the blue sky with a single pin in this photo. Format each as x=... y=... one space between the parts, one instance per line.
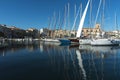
x=35 y=13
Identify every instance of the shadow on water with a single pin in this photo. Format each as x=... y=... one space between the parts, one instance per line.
x=53 y=61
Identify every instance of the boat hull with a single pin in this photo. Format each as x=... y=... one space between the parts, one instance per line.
x=85 y=41
x=51 y=40
x=74 y=40
x=62 y=41
x=104 y=42
x=65 y=41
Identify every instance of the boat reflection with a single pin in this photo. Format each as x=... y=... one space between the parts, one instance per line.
x=80 y=62
x=104 y=49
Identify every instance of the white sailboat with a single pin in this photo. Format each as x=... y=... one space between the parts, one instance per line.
x=75 y=40
x=83 y=41
x=103 y=41
x=56 y=40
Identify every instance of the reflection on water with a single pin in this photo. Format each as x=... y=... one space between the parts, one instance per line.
x=47 y=61
x=101 y=62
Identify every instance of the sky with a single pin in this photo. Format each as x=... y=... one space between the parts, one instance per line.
x=39 y=14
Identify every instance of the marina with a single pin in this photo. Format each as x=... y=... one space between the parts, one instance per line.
x=59 y=40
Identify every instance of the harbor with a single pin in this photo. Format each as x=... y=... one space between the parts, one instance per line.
x=59 y=40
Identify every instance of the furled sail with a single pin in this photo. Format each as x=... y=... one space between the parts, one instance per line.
x=82 y=20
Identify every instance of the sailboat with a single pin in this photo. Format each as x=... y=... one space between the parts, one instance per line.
x=103 y=41
x=77 y=40
x=74 y=40
x=83 y=41
x=56 y=40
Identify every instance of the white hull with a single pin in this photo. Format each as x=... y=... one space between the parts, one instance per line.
x=52 y=43
x=85 y=41
x=64 y=41
x=51 y=40
x=104 y=42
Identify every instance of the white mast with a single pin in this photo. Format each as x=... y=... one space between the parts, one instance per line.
x=65 y=18
x=68 y=15
x=82 y=20
x=116 y=25
x=80 y=10
x=76 y=16
x=98 y=11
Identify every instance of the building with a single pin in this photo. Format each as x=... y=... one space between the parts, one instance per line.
x=32 y=33
x=61 y=33
x=86 y=32
x=17 y=32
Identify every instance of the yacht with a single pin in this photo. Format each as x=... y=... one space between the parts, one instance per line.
x=57 y=40
x=83 y=41
x=104 y=42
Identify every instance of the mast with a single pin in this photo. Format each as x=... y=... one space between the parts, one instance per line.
x=76 y=16
x=74 y=23
x=98 y=11
x=75 y=11
x=91 y=13
x=80 y=10
x=103 y=14
x=58 y=24
x=102 y=24
x=82 y=20
x=53 y=25
x=59 y=20
x=68 y=16
x=116 y=33
x=49 y=22
x=90 y=22
x=116 y=25
x=65 y=18
x=55 y=21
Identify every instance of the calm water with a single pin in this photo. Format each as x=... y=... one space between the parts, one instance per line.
x=47 y=61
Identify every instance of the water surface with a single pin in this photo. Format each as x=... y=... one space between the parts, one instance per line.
x=47 y=61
